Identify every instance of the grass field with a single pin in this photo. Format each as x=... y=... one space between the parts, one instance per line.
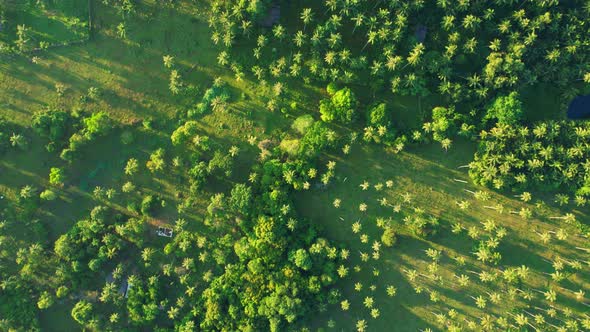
x=134 y=87
x=429 y=176
x=54 y=22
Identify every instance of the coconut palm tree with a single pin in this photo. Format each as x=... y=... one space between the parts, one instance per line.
x=391 y=291
x=299 y=39
x=246 y=27
x=168 y=61
x=371 y=38
x=147 y=254
x=345 y=305
x=361 y=325
x=306 y=17
x=18 y=140
x=122 y=30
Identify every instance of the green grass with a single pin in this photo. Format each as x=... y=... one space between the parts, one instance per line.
x=134 y=86
x=58 y=22
x=540 y=102
x=428 y=174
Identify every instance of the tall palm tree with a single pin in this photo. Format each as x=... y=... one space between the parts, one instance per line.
x=122 y=30
x=306 y=17
x=371 y=38
x=18 y=140
x=361 y=325
x=299 y=38
x=358 y=21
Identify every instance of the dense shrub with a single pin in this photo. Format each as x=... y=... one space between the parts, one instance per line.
x=218 y=93
x=302 y=124
x=148 y=205
x=55 y=125
x=317 y=138
x=340 y=107
x=505 y=110
x=94 y=126
x=388 y=237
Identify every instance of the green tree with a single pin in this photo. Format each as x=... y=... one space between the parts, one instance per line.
x=389 y=237
x=148 y=205
x=341 y=107
x=301 y=259
x=98 y=124
x=316 y=139
x=82 y=312
x=48 y=195
x=156 y=162
x=240 y=198
x=379 y=116
x=505 y=110
x=57 y=177
x=19 y=141
x=23 y=38
x=131 y=167
x=45 y=301
x=122 y=30
x=175 y=82
x=185 y=133
x=168 y=61
x=444 y=122
x=52 y=124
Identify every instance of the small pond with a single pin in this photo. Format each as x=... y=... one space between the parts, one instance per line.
x=579 y=108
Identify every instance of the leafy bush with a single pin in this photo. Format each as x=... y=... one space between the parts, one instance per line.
x=317 y=138
x=505 y=110
x=217 y=93
x=290 y=146
x=332 y=88
x=388 y=238
x=148 y=205
x=53 y=124
x=302 y=124
x=340 y=107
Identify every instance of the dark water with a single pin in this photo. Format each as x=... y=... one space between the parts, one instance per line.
x=579 y=108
